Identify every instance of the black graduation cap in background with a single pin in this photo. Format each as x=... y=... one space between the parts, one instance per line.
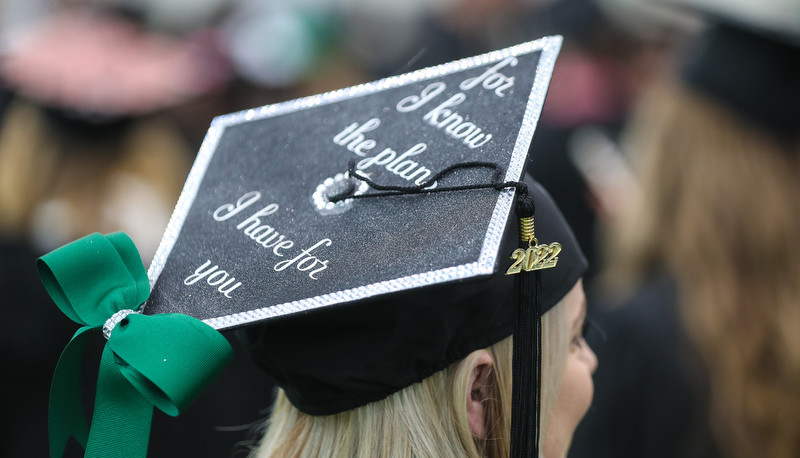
x=761 y=41
x=259 y=239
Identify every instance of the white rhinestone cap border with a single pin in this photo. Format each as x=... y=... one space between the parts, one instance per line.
x=549 y=47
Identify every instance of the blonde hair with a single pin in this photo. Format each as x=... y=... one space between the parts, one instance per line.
x=720 y=208
x=425 y=419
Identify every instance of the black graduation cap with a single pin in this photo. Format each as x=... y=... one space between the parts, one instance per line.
x=373 y=224
x=747 y=59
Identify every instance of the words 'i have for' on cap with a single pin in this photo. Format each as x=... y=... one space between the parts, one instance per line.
x=363 y=236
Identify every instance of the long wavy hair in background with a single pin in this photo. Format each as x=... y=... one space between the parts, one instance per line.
x=720 y=208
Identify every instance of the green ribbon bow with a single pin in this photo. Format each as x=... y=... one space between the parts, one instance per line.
x=162 y=360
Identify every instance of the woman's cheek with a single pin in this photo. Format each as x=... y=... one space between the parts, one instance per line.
x=574 y=398
x=580 y=388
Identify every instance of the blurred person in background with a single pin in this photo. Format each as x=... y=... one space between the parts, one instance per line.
x=86 y=144
x=703 y=358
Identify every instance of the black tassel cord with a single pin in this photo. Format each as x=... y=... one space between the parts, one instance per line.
x=527 y=357
x=420 y=189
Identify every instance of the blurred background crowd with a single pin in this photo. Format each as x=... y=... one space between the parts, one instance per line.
x=670 y=138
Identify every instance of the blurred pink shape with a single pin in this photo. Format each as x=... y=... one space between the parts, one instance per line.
x=102 y=64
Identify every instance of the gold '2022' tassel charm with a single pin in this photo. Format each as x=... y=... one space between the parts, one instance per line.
x=535 y=257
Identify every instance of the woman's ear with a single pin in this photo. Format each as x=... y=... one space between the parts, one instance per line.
x=479 y=389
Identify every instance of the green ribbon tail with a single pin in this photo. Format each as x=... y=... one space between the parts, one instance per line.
x=67 y=418
x=122 y=416
x=162 y=361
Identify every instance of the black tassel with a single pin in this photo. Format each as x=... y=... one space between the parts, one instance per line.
x=527 y=357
